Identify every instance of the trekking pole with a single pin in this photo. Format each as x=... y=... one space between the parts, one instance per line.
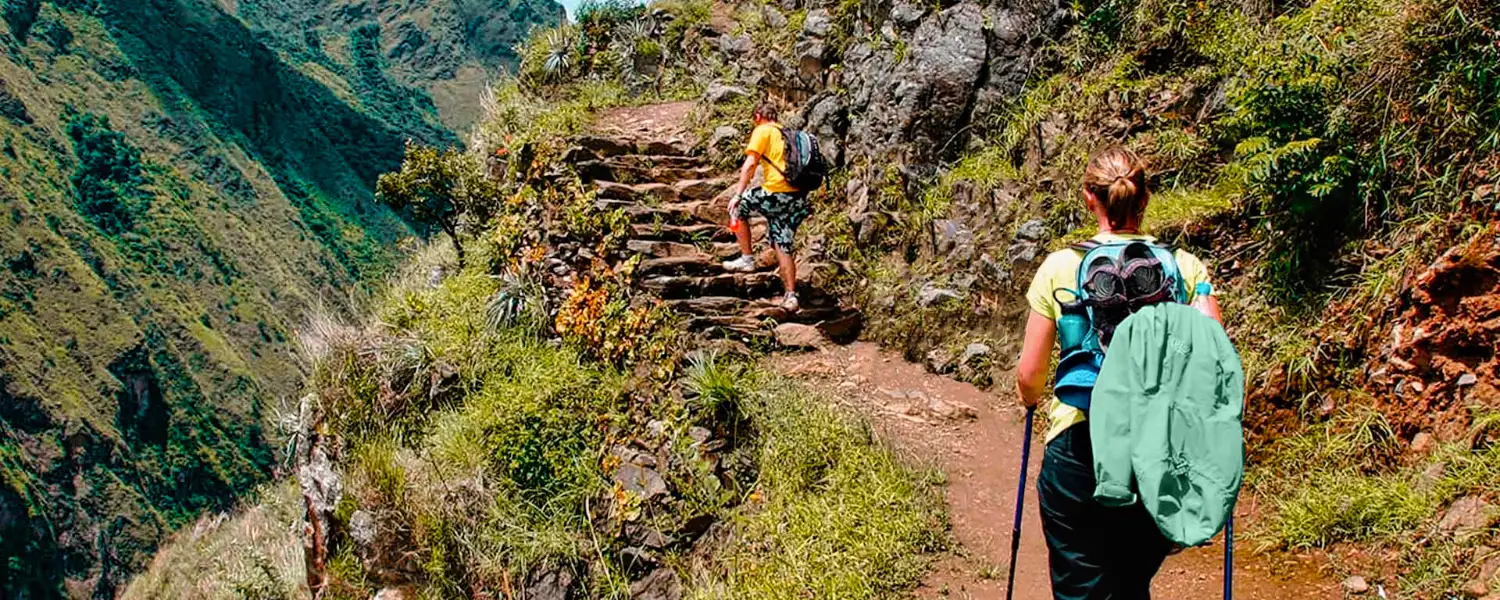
x=1229 y=557
x=1015 y=533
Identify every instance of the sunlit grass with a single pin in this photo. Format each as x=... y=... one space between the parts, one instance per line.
x=835 y=513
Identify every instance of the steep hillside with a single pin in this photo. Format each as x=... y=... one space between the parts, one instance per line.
x=438 y=54
x=1334 y=161
x=177 y=194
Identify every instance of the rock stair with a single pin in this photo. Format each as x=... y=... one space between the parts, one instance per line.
x=678 y=216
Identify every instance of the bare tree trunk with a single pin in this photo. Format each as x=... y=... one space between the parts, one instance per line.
x=451 y=228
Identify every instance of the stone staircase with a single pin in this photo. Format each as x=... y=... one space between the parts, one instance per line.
x=678 y=210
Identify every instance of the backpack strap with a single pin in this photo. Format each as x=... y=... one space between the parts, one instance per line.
x=784 y=144
x=1085 y=246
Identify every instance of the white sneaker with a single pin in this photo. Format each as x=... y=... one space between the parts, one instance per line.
x=789 y=303
x=744 y=264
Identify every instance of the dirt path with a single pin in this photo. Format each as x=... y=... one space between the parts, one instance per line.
x=663 y=123
x=924 y=415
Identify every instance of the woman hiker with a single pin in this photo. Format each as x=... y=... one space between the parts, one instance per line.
x=1095 y=552
x=783 y=206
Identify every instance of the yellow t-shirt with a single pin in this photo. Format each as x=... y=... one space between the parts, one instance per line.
x=1060 y=270
x=766 y=143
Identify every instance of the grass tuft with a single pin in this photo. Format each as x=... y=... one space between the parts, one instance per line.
x=834 y=513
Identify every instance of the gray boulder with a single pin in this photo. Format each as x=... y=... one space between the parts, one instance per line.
x=641 y=481
x=992 y=272
x=952 y=234
x=975 y=352
x=1034 y=230
x=661 y=584
x=719 y=93
x=976 y=365
x=923 y=101
x=940 y=361
x=723 y=139
x=1024 y=252
x=931 y=295
x=827 y=118
x=550 y=584
x=736 y=46
x=907 y=14
x=362 y=528
x=817 y=24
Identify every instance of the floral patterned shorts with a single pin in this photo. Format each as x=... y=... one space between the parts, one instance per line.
x=784 y=212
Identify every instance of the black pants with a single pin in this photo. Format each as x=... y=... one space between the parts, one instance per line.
x=1096 y=552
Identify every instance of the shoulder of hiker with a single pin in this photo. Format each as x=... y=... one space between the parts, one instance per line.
x=760 y=139
x=1063 y=261
x=1191 y=267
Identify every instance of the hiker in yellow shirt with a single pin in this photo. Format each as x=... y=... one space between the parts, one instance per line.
x=783 y=206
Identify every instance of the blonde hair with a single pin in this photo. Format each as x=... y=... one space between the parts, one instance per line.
x=1116 y=177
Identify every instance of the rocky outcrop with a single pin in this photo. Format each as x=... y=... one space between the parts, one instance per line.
x=906 y=82
x=917 y=104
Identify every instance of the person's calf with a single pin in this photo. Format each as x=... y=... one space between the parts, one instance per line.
x=787 y=266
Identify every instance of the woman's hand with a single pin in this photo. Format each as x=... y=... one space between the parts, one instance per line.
x=1036 y=357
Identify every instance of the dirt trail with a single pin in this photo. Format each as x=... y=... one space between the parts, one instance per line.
x=639 y=162
x=975 y=438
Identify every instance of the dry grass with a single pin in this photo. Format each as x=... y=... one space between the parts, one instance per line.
x=255 y=553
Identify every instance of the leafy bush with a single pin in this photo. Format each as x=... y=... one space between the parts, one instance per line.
x=108 y=179
x=600 y=317
x=449 y=190
x=19 y=15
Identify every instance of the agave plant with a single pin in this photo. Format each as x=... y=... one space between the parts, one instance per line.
x=562 y=47
x=519 y=303
x=635 y=43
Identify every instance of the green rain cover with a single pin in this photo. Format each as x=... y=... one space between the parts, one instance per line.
x=1165 y=421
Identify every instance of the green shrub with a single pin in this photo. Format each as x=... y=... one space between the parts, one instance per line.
x=108 y=179
x=447 y=190
x=835 y=514
x=19 y=15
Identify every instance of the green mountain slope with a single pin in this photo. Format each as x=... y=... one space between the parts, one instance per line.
x=447 y=50
x=177 y=190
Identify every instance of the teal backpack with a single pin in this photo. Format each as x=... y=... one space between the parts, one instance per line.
x=1115 y=280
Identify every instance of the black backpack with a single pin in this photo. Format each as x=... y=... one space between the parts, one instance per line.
x=805 y=167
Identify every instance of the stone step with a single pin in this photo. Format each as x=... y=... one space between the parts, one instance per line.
x=677 y=213
x=709 y=305
x=729 y=324
x=741 y=285
x=692 y=264
x=701 y=232
x=704 y=189
x=600 y=146
x=758 y=309
x=642 y=205
x=637 y=192
x=660 y=249
x=637 y=171
x=840 y=328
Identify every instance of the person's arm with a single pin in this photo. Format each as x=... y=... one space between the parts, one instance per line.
x=747 y=172
x=1209 y=305
x=1036 y=358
